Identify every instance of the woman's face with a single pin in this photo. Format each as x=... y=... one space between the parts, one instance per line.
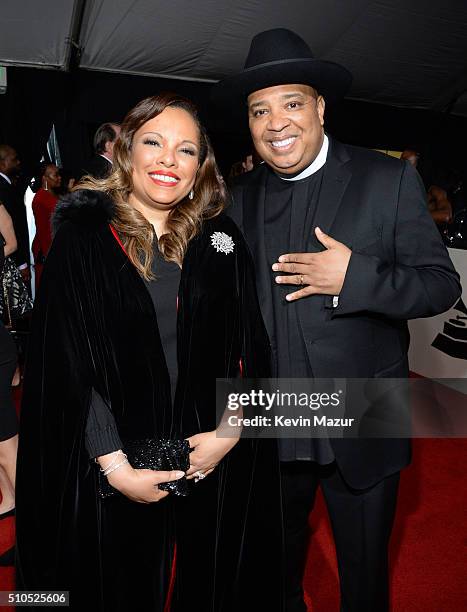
x=165 y=159
x=51 y=179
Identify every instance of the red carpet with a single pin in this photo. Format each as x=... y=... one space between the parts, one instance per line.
x=429 y=543
x=7 y=538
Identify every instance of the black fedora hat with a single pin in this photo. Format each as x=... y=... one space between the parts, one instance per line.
x=282 y=57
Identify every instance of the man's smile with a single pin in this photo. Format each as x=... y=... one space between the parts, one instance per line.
x=284 y=144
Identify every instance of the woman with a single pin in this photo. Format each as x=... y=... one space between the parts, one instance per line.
x=147 y=294
x=8 y=419
x=43 y=207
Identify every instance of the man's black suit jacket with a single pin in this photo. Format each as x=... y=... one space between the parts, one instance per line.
x=98 y=166
x=13 y=202
x=399 y=270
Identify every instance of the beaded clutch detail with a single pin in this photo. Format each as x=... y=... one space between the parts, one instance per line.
x=151 y=454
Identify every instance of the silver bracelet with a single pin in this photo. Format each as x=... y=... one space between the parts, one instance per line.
x=116 y=458
x=112 y=469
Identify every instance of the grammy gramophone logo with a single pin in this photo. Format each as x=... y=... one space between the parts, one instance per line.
x=453 y=339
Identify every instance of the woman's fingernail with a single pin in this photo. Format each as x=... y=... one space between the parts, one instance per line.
x=179 y=474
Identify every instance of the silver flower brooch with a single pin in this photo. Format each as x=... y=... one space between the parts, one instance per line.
x=222 y=243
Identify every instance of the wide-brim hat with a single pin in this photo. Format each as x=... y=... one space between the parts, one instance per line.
x=282 y=57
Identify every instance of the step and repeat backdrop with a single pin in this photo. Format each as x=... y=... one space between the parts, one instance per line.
x=438 y=347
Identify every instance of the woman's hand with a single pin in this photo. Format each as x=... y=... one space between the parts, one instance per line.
x=138 y=485
x=141 y=485
x=208 y=450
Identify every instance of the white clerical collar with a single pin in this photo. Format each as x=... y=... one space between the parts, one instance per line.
x=5 y=177
x=315 y=165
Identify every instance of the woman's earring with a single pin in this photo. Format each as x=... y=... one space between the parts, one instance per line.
x=191 y=195
x=46 y=188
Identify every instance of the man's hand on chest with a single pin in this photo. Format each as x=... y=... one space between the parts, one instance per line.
x=317 y=273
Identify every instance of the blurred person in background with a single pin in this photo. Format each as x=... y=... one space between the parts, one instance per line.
x=437 y=198
x=13 y=201
x=49 y=181
x=100 y=164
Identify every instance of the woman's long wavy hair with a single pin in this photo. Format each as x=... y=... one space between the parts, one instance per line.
x=185 y=219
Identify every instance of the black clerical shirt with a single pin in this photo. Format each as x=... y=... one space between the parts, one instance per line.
x=288 y=227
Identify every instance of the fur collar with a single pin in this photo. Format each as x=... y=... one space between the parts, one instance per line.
x=83 y=206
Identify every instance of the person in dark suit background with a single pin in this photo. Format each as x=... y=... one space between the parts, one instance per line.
x=437 y=198
x=100 y=164
x=13 y=201
x=345 y=253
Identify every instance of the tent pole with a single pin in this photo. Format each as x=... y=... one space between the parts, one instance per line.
x=73 y=52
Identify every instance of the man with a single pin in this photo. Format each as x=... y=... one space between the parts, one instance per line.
x=14 y=203
x=438 y=203
x=100 y=165
x=345 y=252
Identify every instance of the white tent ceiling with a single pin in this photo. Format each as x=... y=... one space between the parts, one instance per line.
x=410 y=53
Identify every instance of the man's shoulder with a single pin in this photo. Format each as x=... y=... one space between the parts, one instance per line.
x=4 y=185
x=250 y=178
x=238 y=187
x=7 y=194
x=366 y=158
x=97 y=166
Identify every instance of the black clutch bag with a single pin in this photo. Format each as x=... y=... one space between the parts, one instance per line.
x=153 y=454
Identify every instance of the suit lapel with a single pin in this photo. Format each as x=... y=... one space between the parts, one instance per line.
x=4 y=183
x=254 y=201
x=335 y=181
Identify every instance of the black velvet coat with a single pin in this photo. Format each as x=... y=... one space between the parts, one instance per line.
x=95 y=326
